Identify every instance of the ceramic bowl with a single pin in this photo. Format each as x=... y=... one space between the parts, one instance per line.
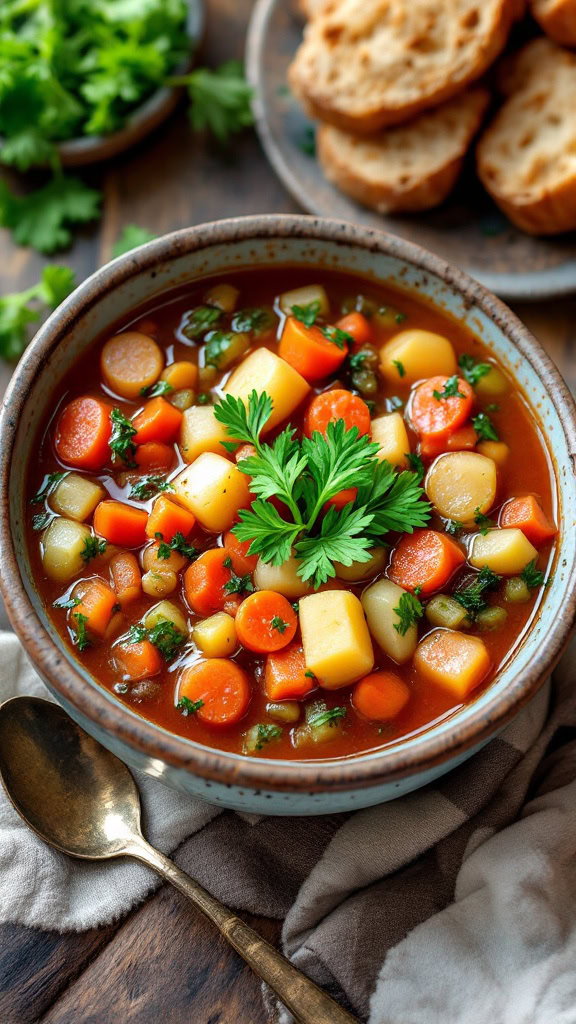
x=232 y=780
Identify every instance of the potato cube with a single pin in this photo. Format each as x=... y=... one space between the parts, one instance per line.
x=264 y=371
x=505 y=551
x=213 y=489
x=461 y=484
x=495 y=450
x=224 y=296
x=335 y=637
x=216 y=636
x=380 y=602
x=165 y=611
x=284 y=579
x=76 y=497
x=62 y=546
x=390 y=433
x=306 y=296
x=201 y=432
x=492 y=384
x=419 y=353
x=452 y=660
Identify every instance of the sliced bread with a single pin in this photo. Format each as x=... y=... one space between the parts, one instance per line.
x=557 y=19
x=366 y=64
x=410 y=167
x=527 y=155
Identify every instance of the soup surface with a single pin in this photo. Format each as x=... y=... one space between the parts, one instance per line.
x=290 y=514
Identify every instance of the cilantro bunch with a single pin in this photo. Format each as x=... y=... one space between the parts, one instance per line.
x=304 y=475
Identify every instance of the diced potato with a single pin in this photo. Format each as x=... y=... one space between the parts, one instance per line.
x=261 y=371
x=491 y=618
x=390 y=433
x=420 y=353
x=516 y=591
x=359 y=571
x=62 y=546
x=284 y=579
x=321 y=732
x=443 y=610
x=165 y=611
x=379 y=602
x=213 y=489
x=495 y=450
x=459 y=484
x=259 y=736
x=216 y=636
x=455 y=661
x=223 y=296
x=285 y=711
x=201 y=432
x=183 y=399
x=507 y=552
x=492 y=384
x=76 y=497
x=152 y=563
x=305 y=297
x=159 y=582
x=223 y=348
x=335 y=638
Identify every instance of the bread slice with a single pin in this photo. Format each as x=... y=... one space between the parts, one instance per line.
x=409 y=167
x=557 y=18
x=366 y=64
x=527 y=155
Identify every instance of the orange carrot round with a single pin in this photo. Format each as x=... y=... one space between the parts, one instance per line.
x=168 y=518
x=436 y=418
x=526 y=514
x=221 y=686
x=131 y=362
x=158 y=421
x=380 y=696
x=206 y=579
x=121 y=524
x=307 y=349
x=126 y=577
x=426 y=559
x=285 y=675
x=82 y=433
x=357 y=326
x=335 y=405
x=240 y=547
x=265 y=622
x=154 y=457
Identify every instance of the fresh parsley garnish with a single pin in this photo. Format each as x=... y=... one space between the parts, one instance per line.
x=48 y=486
x=148 y=486
x=189 y=707
x=121 y=443
x=400 y=367
x=93 y=546
x=533 y=577
x=483 y=522
x=164 y=635
x=20 y=309
x=40 y=522
x=131 y=237
x=357 y=360
x=204 y=398
x=42 y=219
x=484 y=427
x=237 y=584
x=309 y=674
x=278 y=623
x=452 y=527
x=472 y=597
x=220 y=100
x=252 y=321
x=161 y=387
x=416 y=464
x=338 y=337
x=217 y=345
x=450 y=390
x=80 y=635
x=199 y=321
x=329 y=716
x=66 y=602
x=178 y=543
x=472 y=371
x=409 y=610
x=307 y=315
x=265 y=732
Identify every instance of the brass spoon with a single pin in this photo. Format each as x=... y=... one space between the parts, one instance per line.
x=81 y=799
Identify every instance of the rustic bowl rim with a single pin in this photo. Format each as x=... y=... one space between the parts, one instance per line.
x=421 y=753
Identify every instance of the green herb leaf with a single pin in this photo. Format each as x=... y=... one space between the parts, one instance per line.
x=204 y=398
x=42 y=219
x=93 y=546
x=483 y=522
x=472 y=597
x=17 y=313
x=338 y=337
x=66 y=602
x=253 y=321
x=130 y=238
x=216 y=347
x=199 y=321
x=278 y=623
x=533 y=577
x=307 y=141
x=148 y=486
x=265 y=732
x=395 y=500
x=409 y=610
x=341 y=538
x=178 y=543
x=48 y=486
x=471 y=370
x=450 y=390
x=399 y=367
x=237 y=584
x=328 y=717
x=166 y=638
x=417 y=465
x=485 y=428
x=452 y=527
x=307 y=314
x=189 y=707
x=121 y=443
x=356 y=360
x=80 y=635
x=161 y=387
x=220 y=101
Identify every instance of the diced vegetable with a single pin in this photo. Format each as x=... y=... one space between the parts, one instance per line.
x=97 y=601
x=358 y=571
x=357 y=326
x=159 y=582
x=438 y=408
x=131 y=362
x=426 y=559
x=492 y=384
x=335 y=637
x=265 y=622
x=259 y=736
x=390 y=433
x=213 y=489
x=154 y=457
x=322 y=725
x=138 y=661
x=220 y=688
x=223 y=296
x=262 y=370
x=463 y=439
x=336 y=405
x=380 y=602
x=166 y=611
x=527 y=515
x=495 y=450
x=201 y=432
x=208 y=582
x=248 y=562
x=126 y=577
x=168 y=518
x=284 y=579
x=380 y=696
x=223 y=348
x=443 y=610
x=461 y=485
x=121 y=524
x=491 y=618
x=171 y=559
x=62 y=547
x=285 y=677
x=420 y=354
x=309 y=351
x=287 y=712
x=309 y=295
x=517 y=591
x=76 y=497
x=82 y=433
x=216 y=636
x=181 y=375
x=505 y=552
x=183 y=399
x=455 y=661
x=158 y=421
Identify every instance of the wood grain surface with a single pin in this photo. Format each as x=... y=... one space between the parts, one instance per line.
x=163 y=962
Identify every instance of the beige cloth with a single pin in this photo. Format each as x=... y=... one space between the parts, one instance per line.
x=454 y=905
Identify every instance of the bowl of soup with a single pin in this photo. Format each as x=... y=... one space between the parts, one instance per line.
x=288 y=513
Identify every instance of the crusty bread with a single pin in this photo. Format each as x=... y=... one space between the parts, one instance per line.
x=366 y=64
x=409 y=167
x=556 y=17
x=527 y=155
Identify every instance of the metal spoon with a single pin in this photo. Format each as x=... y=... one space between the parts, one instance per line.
x=80 y=798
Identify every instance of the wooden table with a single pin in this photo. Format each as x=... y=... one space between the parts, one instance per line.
x=163 y=962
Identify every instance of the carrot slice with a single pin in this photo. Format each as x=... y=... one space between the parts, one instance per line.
x=266 y=622
x=358 y=326
x=181 y=375
x=526 y=514
x=154 y=456
x=126 y=577
x=97 y=600
x=168 y=519
x=335 y=405
x=158 y=421
x=139 y=660
x=307 y=349
x=240 y=547
x=121 y=524
x=426 y=559
x=82 y=433
x=222 y=687
x=285 y=675
x=463 y=439
x=435 y=418
x=342 y=498
x=131 y=362
x=206 y=579
x=380 y=696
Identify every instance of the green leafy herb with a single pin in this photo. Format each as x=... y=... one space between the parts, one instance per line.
x=265 y=732
x=204 y=398
x=42 y=219
x=533 y=577
x=48 y=486
x=484 y=427
x=220 y=100
x=40 y=522
x=237 y=584
x=131 y=237
x=409 y=610
x=472 y=598
x=307 y=314
x=121 y=443
x=164 y=635
x=148 y=486
x=161 y=387
x=178 y=543
x=416 y=464
x=450 y=390
x=483 y=522
x=217 y=346
x=309 y=674
x=327 y=717
x=93 y=546
x=279 y=624
x=452 y=527
x=189 y=707
x=307 y=141
x=399 y=367
x=66 y=602
x=20 y=309
x=338 y=337
x=357 y=359
x=199 y=321
x=253 y=321
x=472 y=371
x=81 y=638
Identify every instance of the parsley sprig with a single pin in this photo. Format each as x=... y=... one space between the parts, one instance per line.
x=93 y=546
x=472 y=371
x=472 y=597
x=534 y=577
x=164 y=635
x=307 y=315
x=121 y=443
x=409 y=610
x=485 y=428
x=450 y=390
x=148 y=486
x=178 y=543
x=237 y=584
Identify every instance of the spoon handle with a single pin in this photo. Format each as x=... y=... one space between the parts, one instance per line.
x=305 y=1000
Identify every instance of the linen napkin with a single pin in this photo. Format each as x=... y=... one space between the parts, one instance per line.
x=456 y=903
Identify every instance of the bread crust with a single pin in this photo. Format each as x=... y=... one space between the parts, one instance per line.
x=367 y=64
x=377 y=170
x=557 y=18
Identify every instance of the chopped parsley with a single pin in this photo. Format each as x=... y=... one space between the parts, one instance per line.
x=218 y=344
x=416 y=464
x=485 y=428
x=47 y=487
x=40 y=522
x=178 y=543
x=400 y=367
x=452 y=527
x=164 y=635
x=66 y=602
x=309 y=674
x=356 y=360
x=189 y=707
x=472 y=371
x=265 y=733
x=533 y=577
x=472 y=598
x=409 y=610
x=81 y=638
x=338 y=337
x=307 y=315
x=121 y=443
x=483 y=522
x=252 y=321
x=237 y=584
x=200 y=320
x=161 y=387
x=450 y=390
x=279 y=624
x=148 y=486
x=204 y=398
x=328 y=716
x=93 y=546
